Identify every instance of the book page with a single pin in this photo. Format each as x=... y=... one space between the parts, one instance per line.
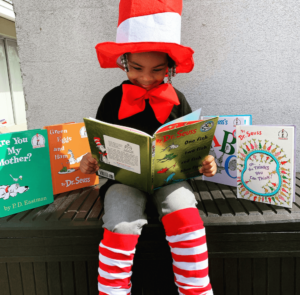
x=123 y=154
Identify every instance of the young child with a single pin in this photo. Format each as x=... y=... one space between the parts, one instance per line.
x=145 y=102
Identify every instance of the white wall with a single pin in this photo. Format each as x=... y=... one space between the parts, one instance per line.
x=247 y=58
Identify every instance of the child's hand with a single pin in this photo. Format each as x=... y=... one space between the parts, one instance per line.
x=209 y=166
x=88 y=164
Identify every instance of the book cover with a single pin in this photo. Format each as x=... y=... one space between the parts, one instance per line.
x=68 y=143
x=25 y=175
x=266 y=164
x=223 y=148
x=174 y=153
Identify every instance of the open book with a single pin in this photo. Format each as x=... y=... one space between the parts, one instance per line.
x=174 y=153
x=266 y=164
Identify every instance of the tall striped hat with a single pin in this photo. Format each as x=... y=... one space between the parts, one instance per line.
x=147 y=25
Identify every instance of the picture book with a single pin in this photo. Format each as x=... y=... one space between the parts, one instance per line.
x=68 y=143
x=224 y=146
x=266 y=164
x=25 y=175
x=174 y=153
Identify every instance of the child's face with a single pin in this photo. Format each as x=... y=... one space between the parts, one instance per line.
x=147 y=69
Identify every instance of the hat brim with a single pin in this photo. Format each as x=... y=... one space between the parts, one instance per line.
x=109 y=52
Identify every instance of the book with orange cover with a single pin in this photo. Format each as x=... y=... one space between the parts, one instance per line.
x=68 y=143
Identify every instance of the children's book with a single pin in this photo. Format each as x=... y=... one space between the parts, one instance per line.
x=25 y=175
x=266 y=164
x=224 y=146
x=68 y=143
x=174 y=153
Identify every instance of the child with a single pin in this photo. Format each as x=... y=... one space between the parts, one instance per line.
x=145 y=102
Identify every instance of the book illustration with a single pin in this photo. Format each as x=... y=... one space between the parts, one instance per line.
x=170 y=147
x=168 y=157
x=223 y=148
x=72 y=160
x=102 y=150
x=266 y=168
x=164 y=170
x=65 y=170
x=207 y=126
x=16 y=179
x=12 y=190
x=38 y=141
x=170 y=177
x=267 y=157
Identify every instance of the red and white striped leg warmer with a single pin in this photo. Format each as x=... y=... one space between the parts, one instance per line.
x=116 y=252
x=187 y=240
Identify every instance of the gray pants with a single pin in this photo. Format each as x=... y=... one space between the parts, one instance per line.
x=124 y=206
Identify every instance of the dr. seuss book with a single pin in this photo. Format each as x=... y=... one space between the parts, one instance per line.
x=224 y=146
x=68 y=143
x=266 y=164
x=25 y=175
x=174 y=153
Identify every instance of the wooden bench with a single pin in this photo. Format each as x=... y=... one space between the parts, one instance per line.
x=254 y=248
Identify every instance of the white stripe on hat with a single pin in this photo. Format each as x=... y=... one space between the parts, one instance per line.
x=160 y=27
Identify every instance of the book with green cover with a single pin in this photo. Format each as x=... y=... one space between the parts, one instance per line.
x=25 y=175
x=174 y=153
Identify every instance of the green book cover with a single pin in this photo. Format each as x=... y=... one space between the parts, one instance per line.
x=25 y=175
x=172 y=154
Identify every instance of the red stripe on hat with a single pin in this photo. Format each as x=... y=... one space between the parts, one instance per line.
x=176 y=222
x=119 y=241
x=114 y=269
x=134 y=8
x=112 y=255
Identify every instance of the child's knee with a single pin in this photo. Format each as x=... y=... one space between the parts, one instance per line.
x=174 y=197
x=127 y=228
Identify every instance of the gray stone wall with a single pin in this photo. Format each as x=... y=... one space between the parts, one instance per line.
x=247 y=58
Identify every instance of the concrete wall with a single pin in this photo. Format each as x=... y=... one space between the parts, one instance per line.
x=247 y=58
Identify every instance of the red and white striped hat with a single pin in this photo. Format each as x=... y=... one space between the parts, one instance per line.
x=148 y=25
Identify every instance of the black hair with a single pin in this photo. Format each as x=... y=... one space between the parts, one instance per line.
x=171 y=62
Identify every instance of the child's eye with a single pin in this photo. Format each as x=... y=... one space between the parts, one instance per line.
x=138 y=69
x=157 y=70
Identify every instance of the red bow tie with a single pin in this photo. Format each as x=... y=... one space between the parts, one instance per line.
x=161 y=99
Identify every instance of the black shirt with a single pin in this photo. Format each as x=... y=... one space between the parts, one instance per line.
x=144 y=121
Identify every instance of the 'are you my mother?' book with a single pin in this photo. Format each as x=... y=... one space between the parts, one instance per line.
x=25 y=175
x=174 y=153
x=266 y=164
